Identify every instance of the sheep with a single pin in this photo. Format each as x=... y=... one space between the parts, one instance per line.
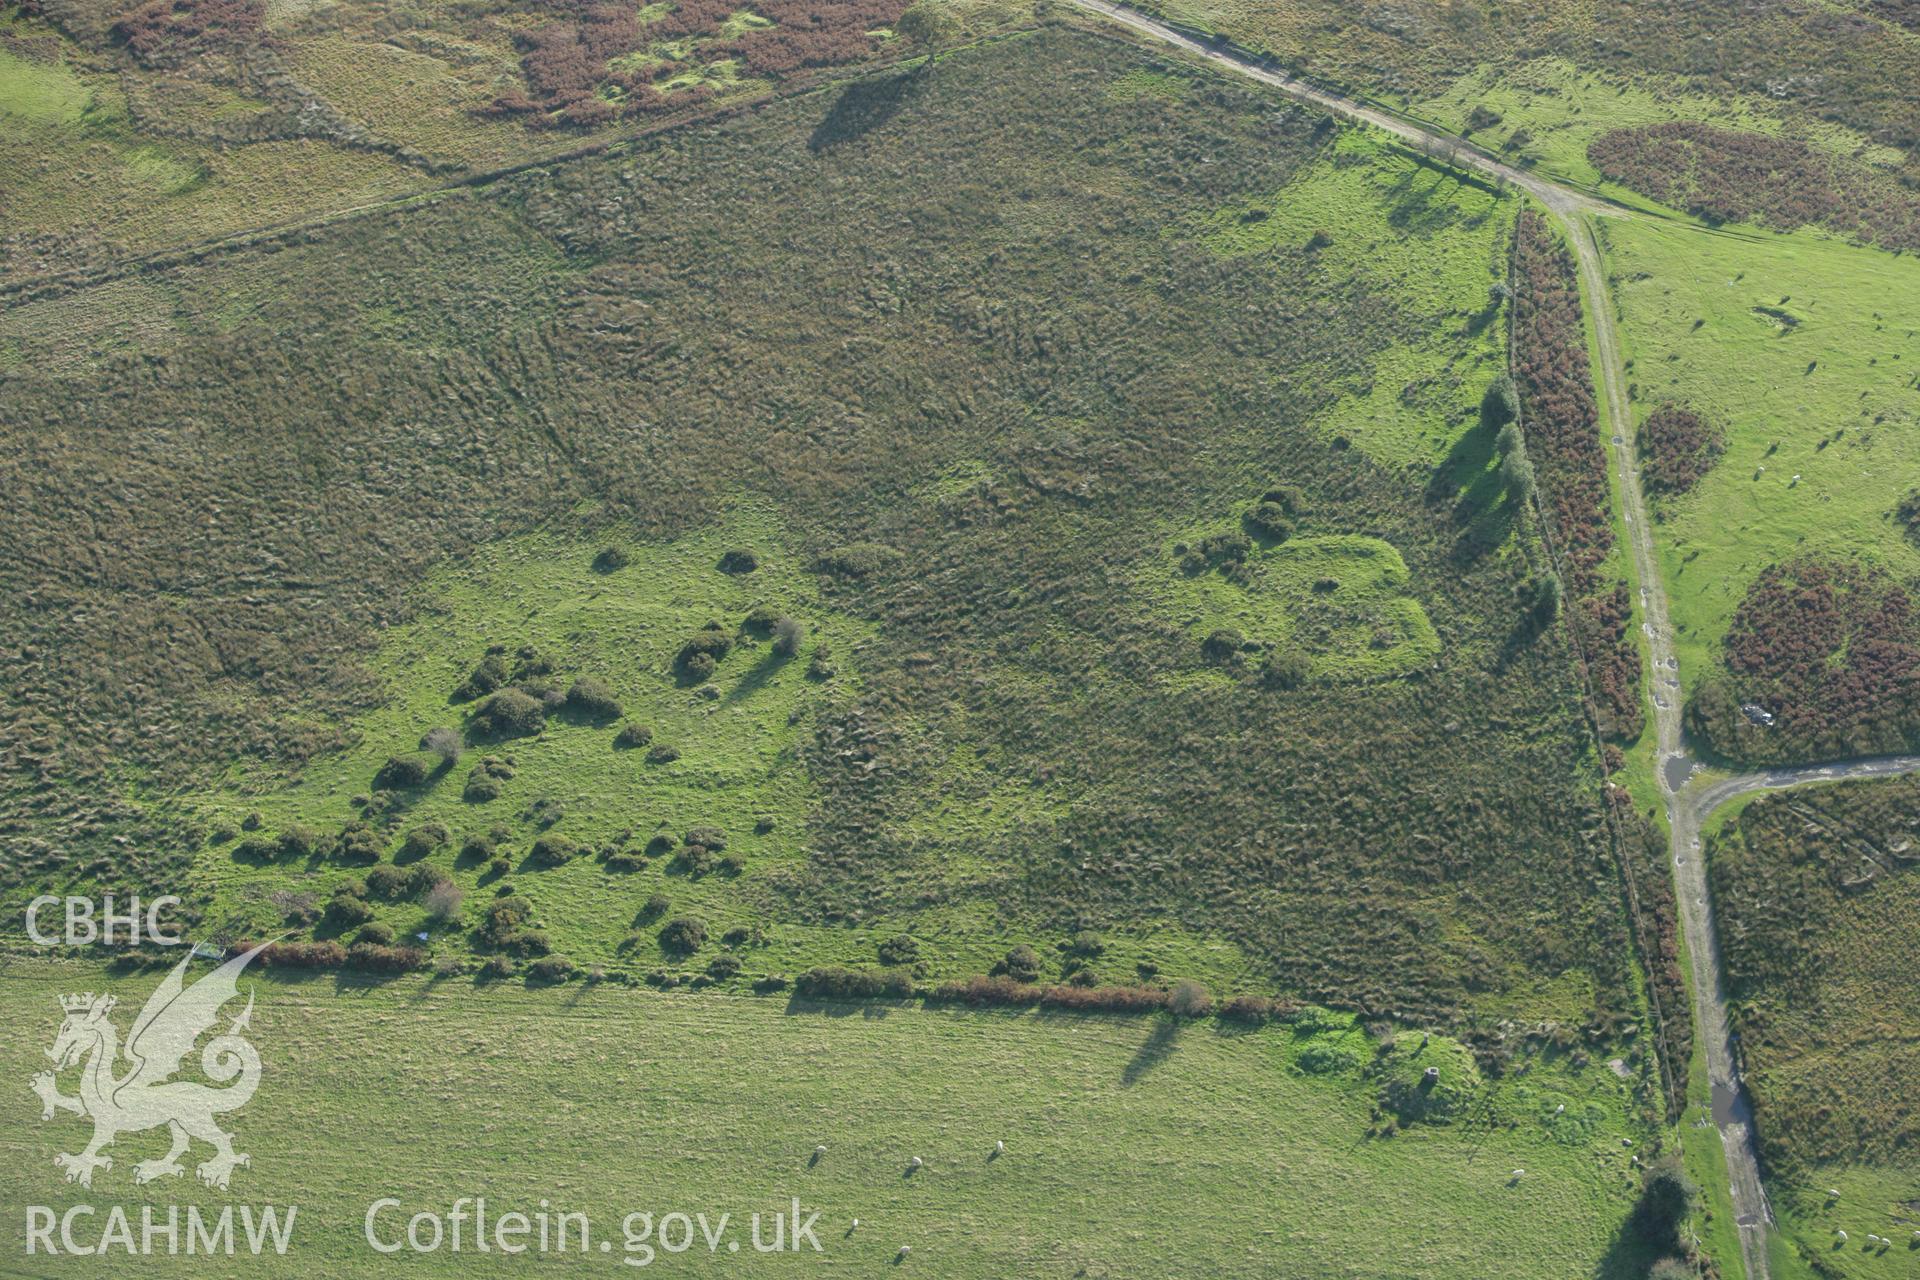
x=1840 y=1235
x=905 y=1249
x=915 y=1163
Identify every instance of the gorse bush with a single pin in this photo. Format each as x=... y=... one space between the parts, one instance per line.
x=592 y=700
x=553 y=850
x=684 y=935
x=510 y=713
x=898 y=950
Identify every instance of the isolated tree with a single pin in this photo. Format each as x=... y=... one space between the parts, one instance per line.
x=1500 y=405
x=788 y=636
x=1516 y=470
x=443 y=742
x=930 y=25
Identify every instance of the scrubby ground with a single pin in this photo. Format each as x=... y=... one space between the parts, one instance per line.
x=1542 y=82
x=1130 y=1144
x=1818 y=893
x=961 y=355
x=1800 y=348
x=132 y=127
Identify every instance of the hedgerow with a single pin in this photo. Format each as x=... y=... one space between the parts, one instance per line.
x=1562 y=426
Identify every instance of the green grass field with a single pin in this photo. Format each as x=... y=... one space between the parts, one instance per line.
x=1132 y=1146
x=1803 y=347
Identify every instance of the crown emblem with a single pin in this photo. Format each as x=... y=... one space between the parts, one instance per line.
x=86 y=1003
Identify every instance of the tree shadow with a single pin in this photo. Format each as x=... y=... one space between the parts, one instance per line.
x=1156 y=1049
x=1468 y=481
x=755 y=680
x=862 y=107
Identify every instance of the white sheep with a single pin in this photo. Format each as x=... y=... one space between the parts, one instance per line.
x=1840 y=1235
x=915 y=1163
x=905 y=1249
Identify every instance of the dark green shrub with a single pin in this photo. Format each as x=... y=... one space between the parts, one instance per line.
x=732 y=865
x=551 y=969
x=422 y=877
x=632 y=734
x=1022 y=964
x=403 y=773
x=301 y=842
x=359 y=843
x=380 y=935
x=739 y=560
x=1271 y=521
x=1541 y=598
x=661 y=844
x=610 y=559
x=490 y=675
x=345 y=911
x=1500 y=405
x=770 y=984
x=899 y=950
x=423 y=840
x=1907 y=515
x=553 y=850
x=655 y=907
x=1286 y=669
x=499 y=866
x=684 y=935
x=1287 y=498
x=788 y=636
x=386 y=882
x=857 y=560
x=1222 y=645
x=712 y=837
x=698 y=667
x=496 y=968
x=592 y=700
x=486 y=780
x=761 y=619
x=475 y=848
x=504 y=918
x=662 y=753
x=258 y=849
x=1666 y=1198
x=510 y=713
x=1086 y=945
x=724 y=966
x=532 y=942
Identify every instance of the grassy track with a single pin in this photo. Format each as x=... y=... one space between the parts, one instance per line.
x=1130 y=1150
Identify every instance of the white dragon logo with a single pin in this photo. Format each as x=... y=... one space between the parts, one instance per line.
x=173 y=1019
